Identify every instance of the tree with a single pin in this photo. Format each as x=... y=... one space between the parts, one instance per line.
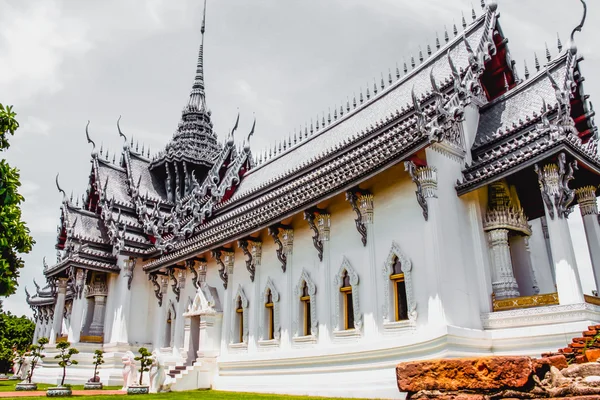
x=65 y=357
x=14 y=234
x=98 y=360
x=145 y=361
x=36 y=355
x=14 y=331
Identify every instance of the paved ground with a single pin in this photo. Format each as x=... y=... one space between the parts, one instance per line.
x=40 y=393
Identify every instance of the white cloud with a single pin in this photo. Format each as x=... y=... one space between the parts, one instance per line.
x=34 y=43
x=34 y=125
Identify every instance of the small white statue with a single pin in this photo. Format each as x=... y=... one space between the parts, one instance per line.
x=26 y=367
x=129 y=370
x=157 y=374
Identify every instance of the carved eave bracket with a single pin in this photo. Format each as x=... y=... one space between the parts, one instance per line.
x=319 y=222
x=158 y=293
x=554 y=185
x=282 y=248
x=426 y=180
x=225 y=259
x=249 y=246
x=175 y=283
x=361 y=202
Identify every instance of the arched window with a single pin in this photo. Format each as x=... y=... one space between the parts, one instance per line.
x=239 y=332
x=239 y=309
x=346 y=291
x=170 y=326
x=270 y=312
x=305 y=323
x=347 y=306
x=400 y=308
x=270 y=328
x=397 y=278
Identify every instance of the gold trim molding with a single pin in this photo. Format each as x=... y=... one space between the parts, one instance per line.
x=91 y=339
x=592 y=299
x=540 y=300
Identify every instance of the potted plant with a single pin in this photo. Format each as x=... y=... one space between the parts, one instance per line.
x=145 y=361
x=34 y=357
x=94 y=382
x=66 y=360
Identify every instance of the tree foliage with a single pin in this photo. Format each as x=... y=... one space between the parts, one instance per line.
x=65 y=357
x=14 y=234
x=37 y=353
x=98 y=360
x=14 y=331
x=145 y=361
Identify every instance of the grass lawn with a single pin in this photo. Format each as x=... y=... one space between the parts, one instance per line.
x=9 y=386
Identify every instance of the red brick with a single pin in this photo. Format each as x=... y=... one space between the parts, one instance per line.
x=590 y=333
x=488 y=373
x=592 y=355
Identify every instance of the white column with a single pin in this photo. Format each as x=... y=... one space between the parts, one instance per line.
x=77 y=311
x=504 y=283
x=258 y=302
x=288 y=245
x=180 y=324
x=324 y=304
x=586 y=197
x=553 y=181
x=426 y=180
x=161 y=315
x=59 y=307
x=228 y=312
x=371 y=320
x=120 y=327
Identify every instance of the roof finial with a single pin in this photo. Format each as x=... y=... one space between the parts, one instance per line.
x=537 y=62
x=482 y=3
x=251 y=133
x=548 y=55
x=428 y=50
x=437 y=41
x=558 y=43
x=454 y=30
x=473 y=15
x=125 y=145
x=578 y=28
x=87 y=135
x=420 y=55
x=237 y=122
x=464 y=21
x=526 y=70
x=197 y=95
x=446 y=37
x=61 y=190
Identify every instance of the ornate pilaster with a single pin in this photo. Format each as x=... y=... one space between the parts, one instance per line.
x=504 y=283
x=98 y=290
x=128 y=268
x=274 y=232
x=255 y=250
x=554 y=184
x=586 y=197
x=556 y=195
x=426 y=180
x=359 y=201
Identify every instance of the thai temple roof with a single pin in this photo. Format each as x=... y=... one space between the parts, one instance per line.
x=197 y=195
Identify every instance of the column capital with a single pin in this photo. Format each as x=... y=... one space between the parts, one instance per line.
x=554 y=184
x=61 y=285
x=256 y=251
x=586 y=197
x=287 y=240
x=365 y=205
x=324 y=226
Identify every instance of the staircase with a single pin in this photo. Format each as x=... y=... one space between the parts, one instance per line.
x=188 y=377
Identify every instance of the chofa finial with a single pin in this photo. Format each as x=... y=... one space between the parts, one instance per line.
x=578 y=28
x=60 y=189
x=87 y=135
x=125 y=144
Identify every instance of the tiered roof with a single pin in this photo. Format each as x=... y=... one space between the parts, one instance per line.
x=130 y=209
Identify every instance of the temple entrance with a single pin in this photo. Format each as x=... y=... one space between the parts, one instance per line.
x=194 y=339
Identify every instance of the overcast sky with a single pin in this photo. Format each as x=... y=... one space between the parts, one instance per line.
x=64 y=62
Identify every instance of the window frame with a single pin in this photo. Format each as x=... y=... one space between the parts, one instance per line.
x=391 y=301
x=341 y=300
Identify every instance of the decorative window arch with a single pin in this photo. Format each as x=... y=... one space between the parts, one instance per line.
x=341 y=301
x=170 y=325
x=271 y=319
x=389 y=313
x=240 y=317
x=306 y=313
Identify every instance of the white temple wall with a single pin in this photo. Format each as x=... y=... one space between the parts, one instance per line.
x=142 y=304
x=540 y=258
x=458 y=282
x=111 y=305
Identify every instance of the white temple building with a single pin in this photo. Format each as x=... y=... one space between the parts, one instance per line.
x=425 y=218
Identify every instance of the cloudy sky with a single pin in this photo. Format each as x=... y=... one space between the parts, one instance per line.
x=64 y=62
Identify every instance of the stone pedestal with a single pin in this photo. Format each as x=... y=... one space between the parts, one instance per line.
x=59 y=307
x=586 y=197
x=554 y=181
